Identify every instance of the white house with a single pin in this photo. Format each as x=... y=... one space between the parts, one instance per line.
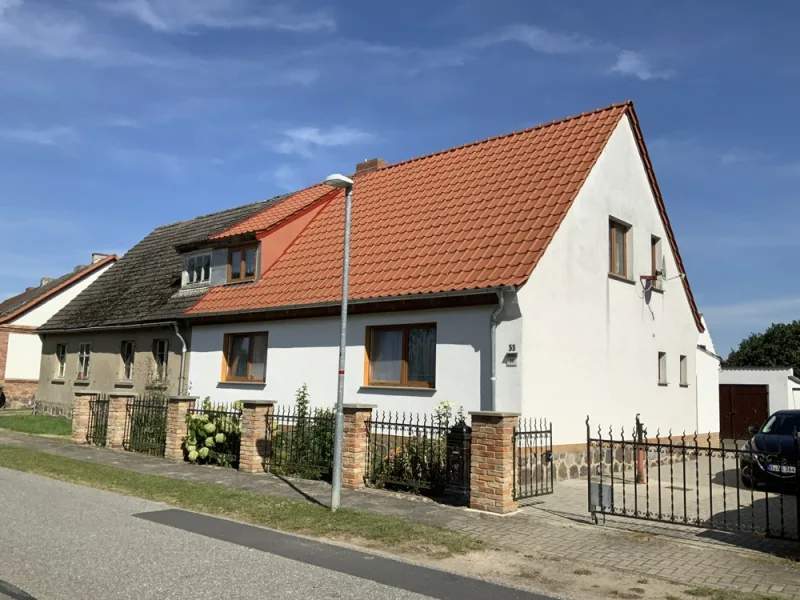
x=536 y=272
x=20 y=346
x=707 y=388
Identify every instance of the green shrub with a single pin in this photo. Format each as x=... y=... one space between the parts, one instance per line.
x=214 y=436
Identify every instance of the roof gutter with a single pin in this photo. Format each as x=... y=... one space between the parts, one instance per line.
x=108 y=327
x=182 y=375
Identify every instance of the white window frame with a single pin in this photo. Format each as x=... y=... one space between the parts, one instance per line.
x=84 y=360
x=61 y=361
x=161 y=366
x=127 y=369
x=662 y=369
x=187 y=273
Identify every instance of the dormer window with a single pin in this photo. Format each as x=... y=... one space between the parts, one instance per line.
x=242 y=264
x=197 y=269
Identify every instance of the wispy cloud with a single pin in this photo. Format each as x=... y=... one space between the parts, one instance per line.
x=635 y=64
x=186 y=16
x=286 y=177
x=53 y=136
x=536 y=38
x=305 y=140
x=760 y=312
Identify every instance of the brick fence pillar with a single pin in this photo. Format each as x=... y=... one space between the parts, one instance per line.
x=354 y=447
x=176 y=425
x=117 y=407
x=492 y=467
x=256 y=437
x=80 y=415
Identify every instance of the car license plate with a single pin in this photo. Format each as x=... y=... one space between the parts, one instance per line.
x=788 y=469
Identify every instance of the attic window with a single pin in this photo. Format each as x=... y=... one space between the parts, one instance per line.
x=197 y=269
x=242 y=264
x=618 y=248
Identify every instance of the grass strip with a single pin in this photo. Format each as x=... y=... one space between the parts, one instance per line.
x=36 y=424
x=270 y=511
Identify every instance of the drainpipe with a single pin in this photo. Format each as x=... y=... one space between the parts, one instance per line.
x=183 y=358
x=501 y=301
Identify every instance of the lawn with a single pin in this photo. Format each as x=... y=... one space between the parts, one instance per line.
x=38 y=424
x=270 y=511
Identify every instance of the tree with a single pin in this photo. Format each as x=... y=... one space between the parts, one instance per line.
x=778 y=346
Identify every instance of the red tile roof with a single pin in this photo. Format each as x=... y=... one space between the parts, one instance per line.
x=474 y=217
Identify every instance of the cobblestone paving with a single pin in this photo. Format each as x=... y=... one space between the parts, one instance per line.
x=551 y=526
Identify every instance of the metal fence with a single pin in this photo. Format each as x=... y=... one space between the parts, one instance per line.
x=98 y=420
x=302 y=442
x=213 y=436
x=409 y=451
x=534 y=471
x=695 y=480
x=146 y=425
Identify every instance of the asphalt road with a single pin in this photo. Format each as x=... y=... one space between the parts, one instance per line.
x=63 y=541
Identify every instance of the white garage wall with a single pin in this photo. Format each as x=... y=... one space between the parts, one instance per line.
x=306 y=351
x=781 y=395
x=707 y=392
x=592 y=342
x=24 y=352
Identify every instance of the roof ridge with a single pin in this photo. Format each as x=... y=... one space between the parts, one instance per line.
x=626 y=104
x=220 y=212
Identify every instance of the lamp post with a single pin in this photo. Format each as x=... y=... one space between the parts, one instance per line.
x=346 y=184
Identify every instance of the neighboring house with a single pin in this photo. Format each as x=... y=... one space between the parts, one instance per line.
x=20 y=346
x=707 y=368
x=536 y=272
x=748 y=395
x=124 y=332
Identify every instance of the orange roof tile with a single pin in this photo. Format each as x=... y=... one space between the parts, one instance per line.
x=279 y=212
x=478 y=216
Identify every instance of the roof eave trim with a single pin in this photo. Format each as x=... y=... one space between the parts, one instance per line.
x=139 y=325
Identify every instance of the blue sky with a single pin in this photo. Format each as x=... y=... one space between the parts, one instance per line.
x=117 y=116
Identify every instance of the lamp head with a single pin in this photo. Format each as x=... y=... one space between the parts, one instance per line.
x=338 y=181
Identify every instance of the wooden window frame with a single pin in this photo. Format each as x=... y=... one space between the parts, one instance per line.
x=404 y=382
x=614 y=227
x=127 y=376
x=161 y=369
x=655 y=246
x=83 y=374
x=227 y=346
x=683 y=363
x=243 y=250
x=662 y=372
x=61 y=361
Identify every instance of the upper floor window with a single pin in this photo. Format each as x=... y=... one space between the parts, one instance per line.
x=655 y=260
x=84 y=357
x=197 y=269
x=662 y=368
x=618 y=248
x=128 y=353
x=245 y=357
x=402 y=355
x=684 y=371
x=61 y=358
x=242 y=264
x=161 y=357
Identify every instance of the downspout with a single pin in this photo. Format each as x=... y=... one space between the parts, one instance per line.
x=501 y=302
x=183 y=359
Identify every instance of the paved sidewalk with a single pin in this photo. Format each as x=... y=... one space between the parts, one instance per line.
x=554 y=527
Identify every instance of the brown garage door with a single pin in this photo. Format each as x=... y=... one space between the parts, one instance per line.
x=741 y=406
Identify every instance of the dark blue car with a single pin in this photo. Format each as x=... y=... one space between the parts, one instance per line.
x=770 y=458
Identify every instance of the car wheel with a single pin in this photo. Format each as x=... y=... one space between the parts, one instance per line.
x=747 y=480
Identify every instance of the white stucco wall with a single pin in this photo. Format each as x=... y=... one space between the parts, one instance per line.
x=306 y=351
x=591 y=343
x=781 y=394
x=42 y=313
x=24 y=355
x=796 y=397
x=707 y=383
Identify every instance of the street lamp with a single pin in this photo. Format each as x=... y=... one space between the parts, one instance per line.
x=343 y=183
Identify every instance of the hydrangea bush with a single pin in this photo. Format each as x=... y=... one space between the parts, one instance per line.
x=213 y=436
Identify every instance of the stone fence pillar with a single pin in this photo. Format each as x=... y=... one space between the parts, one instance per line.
x=492 y=467
x=354 y=447
x=80 y=415
x=117 y=407
x=176 y=425
x=256 y=438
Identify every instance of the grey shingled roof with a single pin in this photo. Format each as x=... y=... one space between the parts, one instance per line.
x=19 y=301
x=143 y=286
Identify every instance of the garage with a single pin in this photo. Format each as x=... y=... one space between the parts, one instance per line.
x=740 y=406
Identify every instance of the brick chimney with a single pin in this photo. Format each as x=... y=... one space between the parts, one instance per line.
x=97 y=257
x=368 y=166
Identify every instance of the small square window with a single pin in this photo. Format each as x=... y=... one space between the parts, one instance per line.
x=684 y=371
x=128 y=353
x=662 y=368
x=618 y=248
x=61 y=358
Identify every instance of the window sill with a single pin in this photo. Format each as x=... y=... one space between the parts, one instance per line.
x=684 y=385
x=657 y=290
x=398 y=388
x=616 y=277
x=240 y=282
x=250 y=383
x=81 y=382
x=663 y=384
x=58 y=380
x=125 y=383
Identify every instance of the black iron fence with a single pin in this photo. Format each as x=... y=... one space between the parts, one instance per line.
x=302 y=442
x=146 y=425
x=534 y=471
x=213 y=435
x=731 y=485
x=420 y=453
x=97 y=430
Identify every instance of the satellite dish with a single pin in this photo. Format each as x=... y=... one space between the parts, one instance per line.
x=663 y=267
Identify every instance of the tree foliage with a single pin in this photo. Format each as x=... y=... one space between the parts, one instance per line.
x=778 y=346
